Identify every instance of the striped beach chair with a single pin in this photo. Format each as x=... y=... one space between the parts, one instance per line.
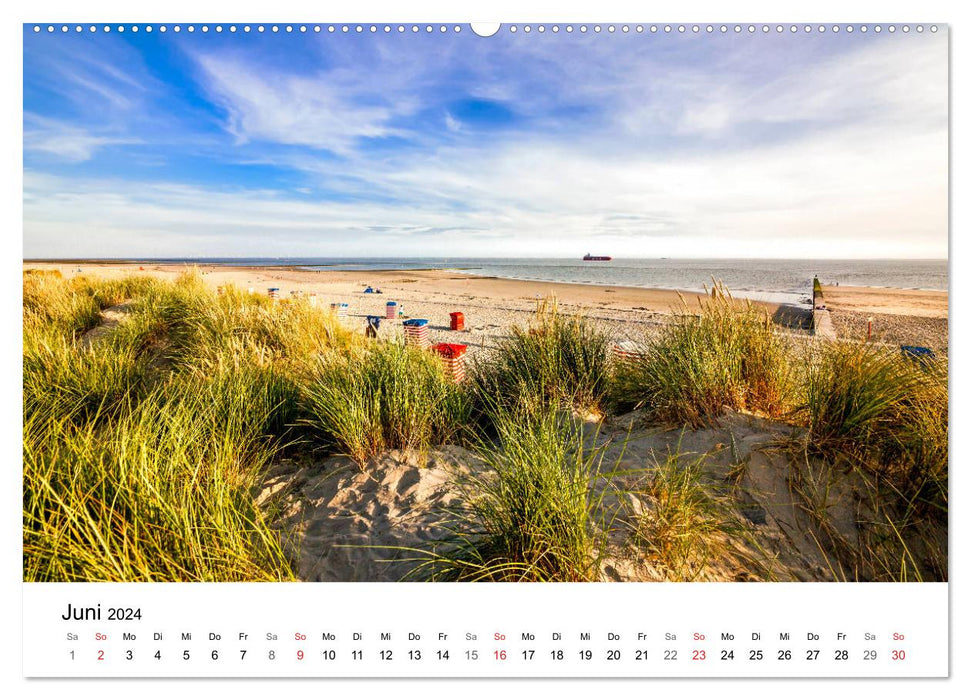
x=453 y=355
x=416 y=332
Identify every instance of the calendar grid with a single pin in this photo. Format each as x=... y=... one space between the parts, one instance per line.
x=558 y=630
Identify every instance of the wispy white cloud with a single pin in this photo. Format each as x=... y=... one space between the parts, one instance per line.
x=64 y=141
x=835 y=196
x=750 y=152
x=322 y=111
x=103 y=78
x=901 y=84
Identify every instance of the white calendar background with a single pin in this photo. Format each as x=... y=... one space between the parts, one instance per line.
x=919 y=610
x=486 y=630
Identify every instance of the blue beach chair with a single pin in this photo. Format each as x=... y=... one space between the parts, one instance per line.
x=916 y=353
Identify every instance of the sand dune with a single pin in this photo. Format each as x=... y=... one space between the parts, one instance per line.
x=345 y=523
x=353 y=524
x=788 y=518
x=110 y=320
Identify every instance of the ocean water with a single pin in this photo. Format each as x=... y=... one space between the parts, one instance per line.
x=768 y=280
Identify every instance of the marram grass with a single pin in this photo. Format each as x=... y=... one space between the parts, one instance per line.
x=869 y=403
x=535 y=512
x=723 y=355
x=558 y=360
x=688 y=522
x=389 y=396
x=145 y=450
x=160 y=493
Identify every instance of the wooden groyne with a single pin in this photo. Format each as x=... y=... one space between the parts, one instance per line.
x=822 y=323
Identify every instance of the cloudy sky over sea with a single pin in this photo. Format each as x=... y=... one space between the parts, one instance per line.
x=151 y=144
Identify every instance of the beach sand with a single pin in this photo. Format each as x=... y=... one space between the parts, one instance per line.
x=880 y=300
x=342 y=522
x=346 y=523
x=893 y=316
x=492 y=305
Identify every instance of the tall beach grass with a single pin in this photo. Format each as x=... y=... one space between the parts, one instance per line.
x=688 y=522
x=890 y=413
x=144 y=451
x=724 y=355
x=533 y=513
x=162 y=492
x=558 y=360
x=386 y=397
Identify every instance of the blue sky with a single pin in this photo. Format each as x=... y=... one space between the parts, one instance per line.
x=679 y=145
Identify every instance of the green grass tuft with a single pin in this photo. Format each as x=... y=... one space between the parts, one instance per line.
x=559 y=360
x=890 y=413
x=725 y=356
x=389 y=396
x=533 y=513
x=689 y=522
x=144 y=451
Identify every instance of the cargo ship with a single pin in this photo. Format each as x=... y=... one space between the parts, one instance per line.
x=596 y=258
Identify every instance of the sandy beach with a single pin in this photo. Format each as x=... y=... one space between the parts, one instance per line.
x=359 y=460
x=491 y=305
x=895 y=302
x=894 y=316
x=349 y=524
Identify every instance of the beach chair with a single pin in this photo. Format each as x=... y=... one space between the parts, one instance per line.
x=453 y=355
x=373 y=324
x=416 y=332
x=627 y=351
x=918 y=354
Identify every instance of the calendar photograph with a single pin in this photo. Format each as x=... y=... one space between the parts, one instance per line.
x=466 y=303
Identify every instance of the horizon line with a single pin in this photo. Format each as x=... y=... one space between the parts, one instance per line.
x=445 y=258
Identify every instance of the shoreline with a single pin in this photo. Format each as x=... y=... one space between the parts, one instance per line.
x=493 y=304
x=448 y=279
x=938 y=306
x=464 y=270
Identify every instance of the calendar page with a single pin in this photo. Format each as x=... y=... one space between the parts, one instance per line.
x=516 y=350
